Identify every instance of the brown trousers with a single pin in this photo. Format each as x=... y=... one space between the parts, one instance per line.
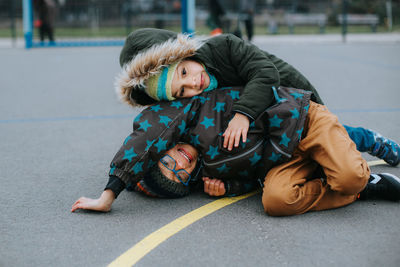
x=295 y=188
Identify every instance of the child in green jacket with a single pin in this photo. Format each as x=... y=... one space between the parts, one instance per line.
x=160 y=65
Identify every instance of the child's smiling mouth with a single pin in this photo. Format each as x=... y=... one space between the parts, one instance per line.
x=185 y=154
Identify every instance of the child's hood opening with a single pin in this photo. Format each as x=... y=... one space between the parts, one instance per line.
x=145 y=53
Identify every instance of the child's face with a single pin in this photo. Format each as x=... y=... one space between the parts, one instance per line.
x=190 y=79
x=185 y=158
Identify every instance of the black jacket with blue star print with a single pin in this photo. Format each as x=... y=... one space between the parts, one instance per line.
x=201 y=121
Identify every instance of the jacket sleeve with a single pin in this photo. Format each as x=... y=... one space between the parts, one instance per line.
x=155 y=130
x=116 y=185
x=239 y=187
x=258 y=71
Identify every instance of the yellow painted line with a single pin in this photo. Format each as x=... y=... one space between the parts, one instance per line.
x=376 y=163
x=138 y=251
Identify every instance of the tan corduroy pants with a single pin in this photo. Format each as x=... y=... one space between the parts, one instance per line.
x=293 y=188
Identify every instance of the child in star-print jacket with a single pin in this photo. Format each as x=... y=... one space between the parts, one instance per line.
x=200 y=122
x=287 y=147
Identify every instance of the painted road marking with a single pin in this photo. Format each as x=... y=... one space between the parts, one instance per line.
x=147 y=244
x=138 y=251
x=376 y=163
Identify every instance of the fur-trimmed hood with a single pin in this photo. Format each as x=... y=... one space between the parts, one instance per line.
x=145 y=53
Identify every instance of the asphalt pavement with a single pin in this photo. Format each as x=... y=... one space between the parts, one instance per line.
x=61 y=124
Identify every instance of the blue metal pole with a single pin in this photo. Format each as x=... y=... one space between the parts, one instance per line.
x=184 y=15
x=188 y=16
x=28 y=22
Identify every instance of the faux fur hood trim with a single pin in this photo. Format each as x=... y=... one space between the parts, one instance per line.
x=150 y=62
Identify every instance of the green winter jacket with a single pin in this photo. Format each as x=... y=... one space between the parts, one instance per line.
x=233 y=61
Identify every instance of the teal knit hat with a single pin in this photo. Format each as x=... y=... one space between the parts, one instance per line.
x=158 y=86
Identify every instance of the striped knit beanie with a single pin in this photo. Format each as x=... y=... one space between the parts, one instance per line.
x=158 y=86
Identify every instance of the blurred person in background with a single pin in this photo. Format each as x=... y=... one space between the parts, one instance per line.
x=214 y=20
x=247 y=9
x=46 y=12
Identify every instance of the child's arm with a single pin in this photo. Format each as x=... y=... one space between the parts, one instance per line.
x=238 y=126
x=216 y=187
x=103 y=203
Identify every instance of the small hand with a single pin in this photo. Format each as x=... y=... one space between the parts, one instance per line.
x=213 y=187
x=103 y=203
x=237 y=127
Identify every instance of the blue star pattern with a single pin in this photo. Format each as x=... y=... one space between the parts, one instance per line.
x=275 y=121
x=182 y=127
x=112 y=169
x=234 y=94
x=161 y=145
x=187 y=108
x=129 y=154
x=277 y=98
x=176 y=104
x=127 y=139
x=297 y=95
x=295 y=113
x=203 y=99
x=219 y=106
x=274 y=157
x=212 y=151
x=138 y=167
x=307 y=107
x=207 y=122
x=299 y=132
x=144 y=125
x=195 y=140
x=284 y=140
x=165 y=120
x=137 y=118
x=243 y=144
x=156 y=108
x=255 y=159
x=223 y=169
x=149 y=144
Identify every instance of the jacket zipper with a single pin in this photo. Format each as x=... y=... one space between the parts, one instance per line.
x=235 y=157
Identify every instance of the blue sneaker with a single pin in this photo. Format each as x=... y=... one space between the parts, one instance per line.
x=385 y=149
x=382 y=186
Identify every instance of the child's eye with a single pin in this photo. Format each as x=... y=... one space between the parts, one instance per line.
x=183 y=71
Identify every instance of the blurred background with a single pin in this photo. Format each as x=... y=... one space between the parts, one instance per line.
x=116 y=18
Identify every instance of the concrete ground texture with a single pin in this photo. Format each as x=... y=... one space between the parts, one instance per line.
x=61 y=124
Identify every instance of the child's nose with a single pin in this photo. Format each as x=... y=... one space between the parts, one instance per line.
x=179 y=165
